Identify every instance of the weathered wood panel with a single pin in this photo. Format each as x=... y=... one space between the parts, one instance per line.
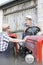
x=19 y=7
x=15 y=16
x=17 y=20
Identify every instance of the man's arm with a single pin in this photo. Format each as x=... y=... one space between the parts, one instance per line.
x=16 y=40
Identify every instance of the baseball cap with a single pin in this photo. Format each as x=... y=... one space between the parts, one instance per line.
x=29 y=17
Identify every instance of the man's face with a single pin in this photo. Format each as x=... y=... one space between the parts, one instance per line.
x=28 y=22
x=8 y=29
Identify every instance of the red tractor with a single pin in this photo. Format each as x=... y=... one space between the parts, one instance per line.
x=34 y=47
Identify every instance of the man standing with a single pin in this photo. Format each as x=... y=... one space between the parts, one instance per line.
x=5 y=39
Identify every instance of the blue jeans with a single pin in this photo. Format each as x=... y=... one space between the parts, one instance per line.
x=5 y=53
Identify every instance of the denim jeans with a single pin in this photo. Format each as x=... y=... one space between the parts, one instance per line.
x=5 y=53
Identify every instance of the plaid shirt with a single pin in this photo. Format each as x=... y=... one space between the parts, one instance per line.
x=4 y=40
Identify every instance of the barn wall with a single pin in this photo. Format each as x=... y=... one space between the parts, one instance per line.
x=15 y=16
x=1 y=19
x=40 y=13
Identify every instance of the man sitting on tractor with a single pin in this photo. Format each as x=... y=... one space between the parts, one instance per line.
x=30 y=30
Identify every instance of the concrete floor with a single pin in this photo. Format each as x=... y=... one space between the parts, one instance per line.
x=14 y=61
x=20 y=61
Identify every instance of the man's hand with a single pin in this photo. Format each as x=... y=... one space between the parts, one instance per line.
x=25 y=38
